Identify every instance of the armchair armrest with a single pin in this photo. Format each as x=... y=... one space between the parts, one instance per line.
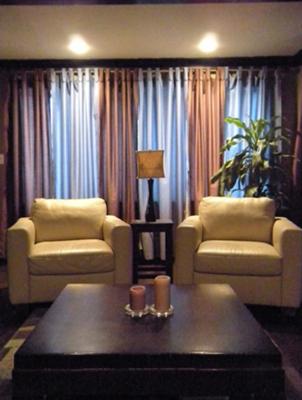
x=20 y=240
x=287 y=240
x=117 y=234
x=188 y=238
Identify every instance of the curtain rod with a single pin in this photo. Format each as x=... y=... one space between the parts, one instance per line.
x=153 y=69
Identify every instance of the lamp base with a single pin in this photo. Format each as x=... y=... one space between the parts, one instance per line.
x=150 y=215
x=150 y=211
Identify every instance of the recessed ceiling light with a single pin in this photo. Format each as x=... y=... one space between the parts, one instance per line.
x=78 y=45
x=209 y=43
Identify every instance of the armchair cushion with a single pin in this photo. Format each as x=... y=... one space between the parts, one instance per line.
x=247 y=219
x=71 y=257
x=68 y=219
x=237 y=258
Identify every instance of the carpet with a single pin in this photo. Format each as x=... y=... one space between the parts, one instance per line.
x=8 y=351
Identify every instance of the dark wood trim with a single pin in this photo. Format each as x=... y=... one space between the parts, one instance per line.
x=120 y=2
x=282 y=61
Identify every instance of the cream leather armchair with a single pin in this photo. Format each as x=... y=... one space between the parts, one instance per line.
x=242 y=243
x=66 y=241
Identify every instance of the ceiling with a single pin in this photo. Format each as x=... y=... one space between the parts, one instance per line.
x=151 y=31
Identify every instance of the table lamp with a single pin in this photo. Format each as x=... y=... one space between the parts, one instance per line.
x=149 y=166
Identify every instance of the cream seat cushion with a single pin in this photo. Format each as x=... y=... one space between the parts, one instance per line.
x=71 y=257
x=237 y=258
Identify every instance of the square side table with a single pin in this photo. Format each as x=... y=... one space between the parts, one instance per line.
x=158 y=265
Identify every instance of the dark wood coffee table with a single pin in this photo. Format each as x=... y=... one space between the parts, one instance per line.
x=85 y=345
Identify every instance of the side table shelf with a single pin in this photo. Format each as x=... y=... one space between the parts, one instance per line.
x=156 y=265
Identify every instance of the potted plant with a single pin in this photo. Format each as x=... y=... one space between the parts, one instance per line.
x=257 y=169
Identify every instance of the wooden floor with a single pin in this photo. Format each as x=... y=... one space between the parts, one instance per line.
x=286 y=332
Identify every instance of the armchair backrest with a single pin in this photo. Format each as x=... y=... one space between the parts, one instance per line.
x=69 y=219
x=227 y=218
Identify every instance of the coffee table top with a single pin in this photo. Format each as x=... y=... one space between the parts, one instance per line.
x=87 y=326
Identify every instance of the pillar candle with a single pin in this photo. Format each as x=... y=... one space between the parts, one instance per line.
x=137 y=297
x=162 y=293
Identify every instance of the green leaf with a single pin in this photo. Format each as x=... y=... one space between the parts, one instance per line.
x=258 y=167
x=250 y=191
x=237 y=122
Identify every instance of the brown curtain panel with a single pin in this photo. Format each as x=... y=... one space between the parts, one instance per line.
x=297 y=169
x=118 y=115
x=206 y=97
x=4 y=118
x=29 y=142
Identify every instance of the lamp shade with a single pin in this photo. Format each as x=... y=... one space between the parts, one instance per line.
x=150 y=164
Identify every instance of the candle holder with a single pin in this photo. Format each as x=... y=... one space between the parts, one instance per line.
x=136 y=313
x=161 y=314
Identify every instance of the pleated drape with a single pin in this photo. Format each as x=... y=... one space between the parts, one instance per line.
x=4 y=123
x=162 y=124
x=206 y=95
x=118 y=99
x=29 y=145
x=74 y=132
x=297 y=161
